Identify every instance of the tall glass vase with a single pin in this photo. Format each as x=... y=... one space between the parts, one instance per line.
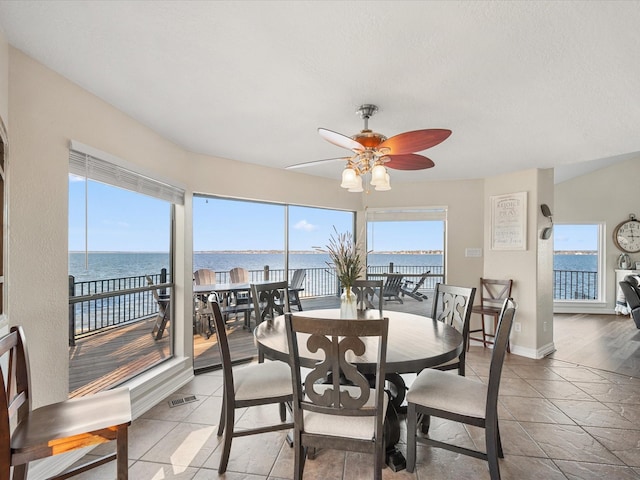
x=348 y=304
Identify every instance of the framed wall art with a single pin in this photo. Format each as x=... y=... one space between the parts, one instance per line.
x=509 y=221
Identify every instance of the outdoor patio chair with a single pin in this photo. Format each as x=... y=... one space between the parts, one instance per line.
x=392 y=287
x=336 y=415
x=493 y=293
x=296 y=286
x=28 y=434
x=164 y=311
x=204 y=276
x=412 y=289
x=366 y=292
x=240 y=275
x=247 y=386
x=462 y=399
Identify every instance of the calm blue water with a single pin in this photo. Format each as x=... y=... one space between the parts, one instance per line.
x=116 y=265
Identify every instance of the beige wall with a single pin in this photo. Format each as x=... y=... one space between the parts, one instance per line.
x=523 y=265
x=607 y=195
x=4 y=79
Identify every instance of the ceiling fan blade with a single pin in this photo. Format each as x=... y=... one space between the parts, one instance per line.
x=315 y=162
x=415 y=141
x=340 y=140
x=409 y=161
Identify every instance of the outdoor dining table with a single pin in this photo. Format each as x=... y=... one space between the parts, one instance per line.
x=225 y=290
x=414 y=342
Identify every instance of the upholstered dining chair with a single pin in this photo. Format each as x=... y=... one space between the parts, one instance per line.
x=461 y=399
x=338 y=415
x=269 y=300
x=28 y=434
x=251 y=385
x=452 y=305
x=366 y=292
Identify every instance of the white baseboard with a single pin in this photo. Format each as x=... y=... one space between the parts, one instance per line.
x=533 y=353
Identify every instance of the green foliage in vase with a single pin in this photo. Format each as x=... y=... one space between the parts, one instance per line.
x=343 y=252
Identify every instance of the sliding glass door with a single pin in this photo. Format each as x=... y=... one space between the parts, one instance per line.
x=407 y=241
x=271 y=241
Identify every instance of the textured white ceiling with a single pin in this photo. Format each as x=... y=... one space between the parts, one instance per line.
x=521 y=84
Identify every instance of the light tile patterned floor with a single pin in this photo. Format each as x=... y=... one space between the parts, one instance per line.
x=558 y=421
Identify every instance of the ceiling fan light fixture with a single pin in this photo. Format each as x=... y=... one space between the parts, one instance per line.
x=374 y=153
x=378 y=175
x=358 y=188
x=383 y=187
x=349 y=178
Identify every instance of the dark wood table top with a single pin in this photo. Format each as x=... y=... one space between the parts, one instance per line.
x=414 y=342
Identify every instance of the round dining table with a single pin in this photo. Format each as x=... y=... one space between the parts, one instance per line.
x=414 y=342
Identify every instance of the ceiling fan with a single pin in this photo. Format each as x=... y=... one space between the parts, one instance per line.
x=373 y=152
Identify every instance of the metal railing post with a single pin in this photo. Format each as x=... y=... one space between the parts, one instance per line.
x=72 y=312
x=163 y=279
x=266 y=272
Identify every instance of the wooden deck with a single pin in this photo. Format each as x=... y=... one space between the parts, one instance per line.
x=110 y=358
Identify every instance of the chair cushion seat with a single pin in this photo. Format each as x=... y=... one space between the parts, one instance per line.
x=76 y=416
x=341 y=425
x=449 y=392
x=262 y=380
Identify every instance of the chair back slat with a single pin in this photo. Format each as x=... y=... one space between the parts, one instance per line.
x=15 y=402
x=223 y=343
x=505 y=322
x=495 y=292
x=270 y=300
x=452 y=305
x=335 y=386
x=366 y=292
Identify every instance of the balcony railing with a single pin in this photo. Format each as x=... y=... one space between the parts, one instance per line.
x=97 y=305
x=575 y=285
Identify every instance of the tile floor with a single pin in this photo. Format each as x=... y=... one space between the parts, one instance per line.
x=558 y=421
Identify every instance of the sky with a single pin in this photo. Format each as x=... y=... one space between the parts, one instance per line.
x=120 y=220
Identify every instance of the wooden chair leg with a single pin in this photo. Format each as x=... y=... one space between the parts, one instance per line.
x=229 y=420
x=411 y=437
x=491 y=433
x=283 y=412
x=122 y=453
x=299 y=458
x=20 y=472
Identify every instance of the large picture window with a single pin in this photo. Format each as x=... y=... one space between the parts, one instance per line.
x=407 y=241
x=120 y=245
x=577 y=262
x=270 y=242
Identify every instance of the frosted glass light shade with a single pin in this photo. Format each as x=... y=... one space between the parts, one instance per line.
x=383 y=187
x=358 y=188
x=349 y=178
x=378 y=175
